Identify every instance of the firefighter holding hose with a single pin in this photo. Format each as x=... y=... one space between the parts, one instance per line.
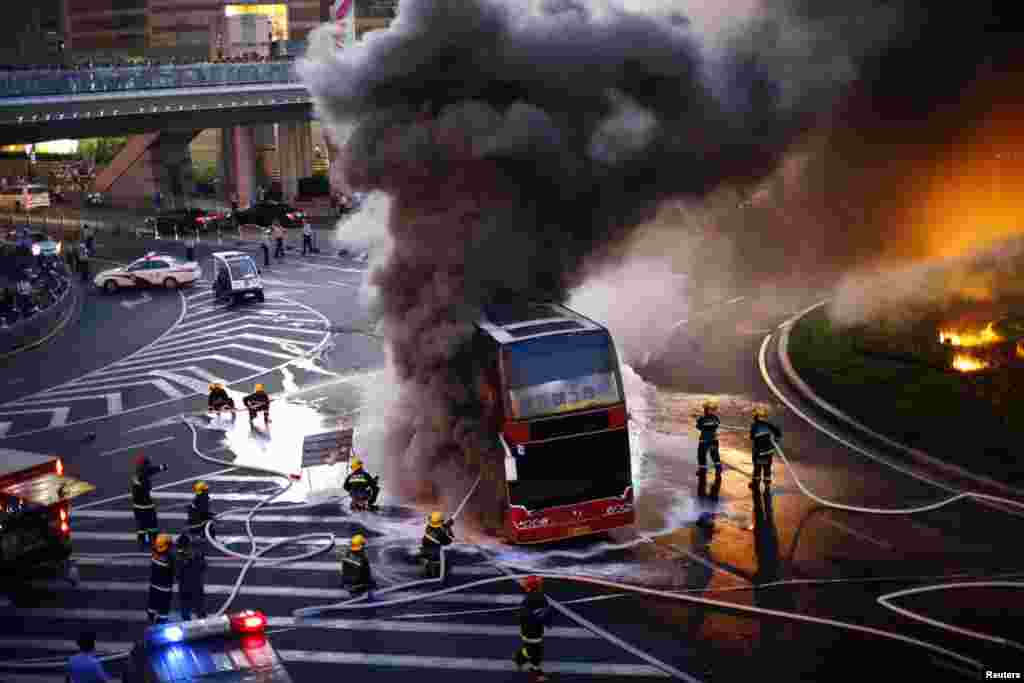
x=707 y=425
x=763 y=435
x=142 y=500
x=534 y=615
x=356 y=575
x=437 y=536
x=161 y=579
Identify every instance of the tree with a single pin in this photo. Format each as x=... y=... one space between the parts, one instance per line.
x=101 y=151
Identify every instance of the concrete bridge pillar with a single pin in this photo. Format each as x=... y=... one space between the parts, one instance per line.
x=238 y=164
x=150 y=163
x=295 y=155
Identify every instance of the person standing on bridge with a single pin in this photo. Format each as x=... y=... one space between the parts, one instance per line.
x=707 y=425
x=146 y=523
x=534 y=615
x=763 y=436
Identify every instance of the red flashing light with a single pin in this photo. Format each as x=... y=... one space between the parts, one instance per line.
x=249 y=621
x=63 y=515
x=60 y=467
x=517 y=432
x=64 y=528
x=617 y=417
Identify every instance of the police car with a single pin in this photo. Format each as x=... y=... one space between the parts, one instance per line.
x=223 y=649
x=152 y=270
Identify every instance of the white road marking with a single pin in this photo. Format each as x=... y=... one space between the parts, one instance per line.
x=144 y=299
x=88 y=397
x=221 y=338
x=144 y=369
x=151 y=362
x=137 y=445
x=196 y=385
x=231 y=562
x=4 y=428
x=58 y=416
x=232 y=333
x=133 y=616
x=344 y=284
x=298 y=519
x=208 y=376
x=53 y=396
x=189 y=330
x=114 y=403
x=370 y=660
x=124 y=496
x=858 y=534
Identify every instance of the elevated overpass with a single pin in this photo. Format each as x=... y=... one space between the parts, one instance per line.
x=164 y=108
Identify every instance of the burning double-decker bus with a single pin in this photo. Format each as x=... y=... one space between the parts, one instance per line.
x=550 y=380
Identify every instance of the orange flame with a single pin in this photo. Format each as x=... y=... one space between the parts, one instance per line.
x=965 y=363
x=1020 y=349
x=983 y=337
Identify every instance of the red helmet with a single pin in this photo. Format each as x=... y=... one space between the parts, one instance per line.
x=141 y=460
x=533 y=583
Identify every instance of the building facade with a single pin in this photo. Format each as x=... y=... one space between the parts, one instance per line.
x=194 y=29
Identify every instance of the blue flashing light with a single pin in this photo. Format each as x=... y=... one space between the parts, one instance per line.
x=173 y=634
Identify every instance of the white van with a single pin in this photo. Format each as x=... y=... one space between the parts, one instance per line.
x=236 y=276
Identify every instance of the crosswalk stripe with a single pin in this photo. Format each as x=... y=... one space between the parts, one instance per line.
x=175 y=495
x=333 y=594
x=330 y=624
x=118 y=383
x=231 y=335
x=58 y=416
x=297 y=519
x=88 y=397
x=142 y=369
x=4 y=428
x=306 y=565
x=140 y=363
x=226 y=540
x=371 y=660
x=138 y=445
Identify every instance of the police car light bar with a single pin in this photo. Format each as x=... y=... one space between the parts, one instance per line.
x=247 y=622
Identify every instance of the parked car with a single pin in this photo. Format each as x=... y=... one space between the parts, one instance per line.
x=265 y=213
x=185 y=220
x=152 y=270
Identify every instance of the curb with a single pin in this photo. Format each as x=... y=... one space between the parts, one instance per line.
x=53 y=331
x=805 y=390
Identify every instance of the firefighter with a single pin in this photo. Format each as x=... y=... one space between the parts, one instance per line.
x=361 y=486
x=437 y=536
x=219 y=399
x=161 y=579
x=142 y=500
x=191 y=565
x=199 y=511
x=708 y=425
x=534 y=615
x=258 y=402
x=356 y=576
x=763 y=435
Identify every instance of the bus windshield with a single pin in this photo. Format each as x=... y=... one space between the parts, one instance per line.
x=560 y=373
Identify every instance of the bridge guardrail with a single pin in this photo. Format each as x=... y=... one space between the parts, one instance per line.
x=33 y=83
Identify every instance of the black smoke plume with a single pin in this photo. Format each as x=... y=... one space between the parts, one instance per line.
x=520 y=146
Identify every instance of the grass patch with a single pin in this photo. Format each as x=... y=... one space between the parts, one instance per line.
x=896 y=383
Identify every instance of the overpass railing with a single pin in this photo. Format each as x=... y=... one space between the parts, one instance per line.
x=128 y=78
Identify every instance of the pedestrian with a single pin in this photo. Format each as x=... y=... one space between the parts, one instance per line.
x=356 y=575
x=84 y=667
x=334 y=204
x=161 y=579
x=83 y=261
x=707 y=425
x=73 y=259
x=90 y=239
x=265 y=246
x=278 y=233
x=191 y=566
x=199 y=511
x=763 y=437
x=307 y=238
x=142 y=500
x=436 y=538
x=534 y=615
x=234 y=203
x=260 y=194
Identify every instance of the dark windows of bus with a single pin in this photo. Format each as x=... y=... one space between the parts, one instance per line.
x=571 y=471
x=560 y=373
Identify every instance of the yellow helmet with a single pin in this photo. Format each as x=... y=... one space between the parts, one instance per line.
x=200 y=487
x=711 y=405
x=162 y=543
x=219 y=385
x=436 y=519
x=259 y=387
x=212 y=387
x=358 y=541
x=356 y=464
x=760 y=413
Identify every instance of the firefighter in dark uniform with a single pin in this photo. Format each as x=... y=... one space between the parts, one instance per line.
x=534 y=615
x=142 y=500
x=219 y=399
x=161 y=579
x=708 y=425
x=191 y=565
x=199 y=511
x=258 y=402
x=437 y=536
x=763 y=435
x=361 y=486
x=356 y=576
